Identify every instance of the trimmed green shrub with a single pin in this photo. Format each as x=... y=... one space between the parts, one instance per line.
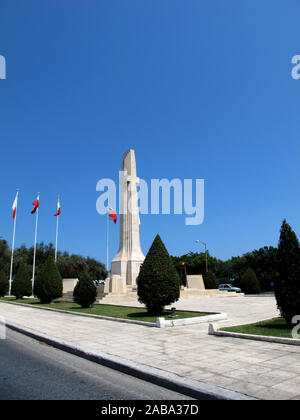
x=85 y=291
x=4 y=284
x=158 y=282
x=287 y=281
x=22 y=285
x=210 y=280
x=249 y=282
x=48 y=285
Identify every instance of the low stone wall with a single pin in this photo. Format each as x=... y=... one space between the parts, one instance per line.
x=186 y=293
x=69 y=285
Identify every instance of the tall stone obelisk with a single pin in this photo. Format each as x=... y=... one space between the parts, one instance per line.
x=129 y=258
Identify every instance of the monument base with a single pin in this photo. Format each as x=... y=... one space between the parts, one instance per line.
x=119 y=297
x=115 y=285
x=188 y=293
x=129 y=270
x=116 y=291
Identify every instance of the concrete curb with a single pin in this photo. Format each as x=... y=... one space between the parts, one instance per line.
x=192 y=388
x=278 y=340
x=107 y=318
x=160 y=323
x=163 y=323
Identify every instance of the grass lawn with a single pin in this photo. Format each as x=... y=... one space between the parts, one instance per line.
x=124 y=312
x=276 y=327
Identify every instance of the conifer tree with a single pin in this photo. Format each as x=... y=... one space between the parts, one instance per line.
x=48 y=285
x=158 y=282
x=85 y=291
x=21 y=286
x=4 y=284
x=287 y=283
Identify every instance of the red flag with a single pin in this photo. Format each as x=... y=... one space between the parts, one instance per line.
x=36 y=204
x=113 y=215
x=14 y=207
x=58 y=209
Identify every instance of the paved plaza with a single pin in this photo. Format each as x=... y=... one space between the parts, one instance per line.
x=258 y=369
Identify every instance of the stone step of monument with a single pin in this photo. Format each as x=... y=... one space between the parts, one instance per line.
x=132 y=290
x=132 y=294
x=116 y=299
x=187 y=293
x=67 y=297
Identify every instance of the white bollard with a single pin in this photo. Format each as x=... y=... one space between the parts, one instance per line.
x=161 y=322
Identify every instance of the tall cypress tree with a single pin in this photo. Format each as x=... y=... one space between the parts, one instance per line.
x=21 y=286
x=158 y=282
x=48 y=285
x=287 y=284
x=4 y=284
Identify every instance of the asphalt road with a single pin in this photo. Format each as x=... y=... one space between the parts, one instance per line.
x=30 y=370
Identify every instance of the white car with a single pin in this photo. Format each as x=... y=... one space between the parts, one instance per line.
x=229 y=288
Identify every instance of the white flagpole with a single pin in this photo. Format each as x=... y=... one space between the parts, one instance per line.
x=107 y=232
x=13 y=247
x=34 y=252
x=56 y=240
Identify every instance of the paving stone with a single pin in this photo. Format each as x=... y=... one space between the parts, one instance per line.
x=291 y=386
x=276 y=395
x=247 y=388
x=258 y=369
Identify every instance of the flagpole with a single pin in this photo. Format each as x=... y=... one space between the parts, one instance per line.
x=13 y=248
x=56 y=240
x=107 y=227
x=34 y=252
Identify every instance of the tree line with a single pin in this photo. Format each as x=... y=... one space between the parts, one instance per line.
x=159 y=282
x=261 y=261
x=69 y=266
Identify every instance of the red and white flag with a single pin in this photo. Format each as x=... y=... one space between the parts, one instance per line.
x=112 y=215
x=36 y=204
x=14 y=207
x=58 y=209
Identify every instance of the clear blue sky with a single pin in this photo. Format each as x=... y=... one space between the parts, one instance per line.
x=199 y=88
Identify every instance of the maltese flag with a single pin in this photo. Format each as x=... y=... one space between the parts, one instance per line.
x=58 y=209
x=36 y=204
x=14 y=207
x=112 y=215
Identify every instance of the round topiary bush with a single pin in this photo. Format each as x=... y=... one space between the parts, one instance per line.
x=85 y=291
x=48 y=285
x=4 y=284
x=250 y=283
x=21 y=286
x=210 y=280
x=158 y=282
